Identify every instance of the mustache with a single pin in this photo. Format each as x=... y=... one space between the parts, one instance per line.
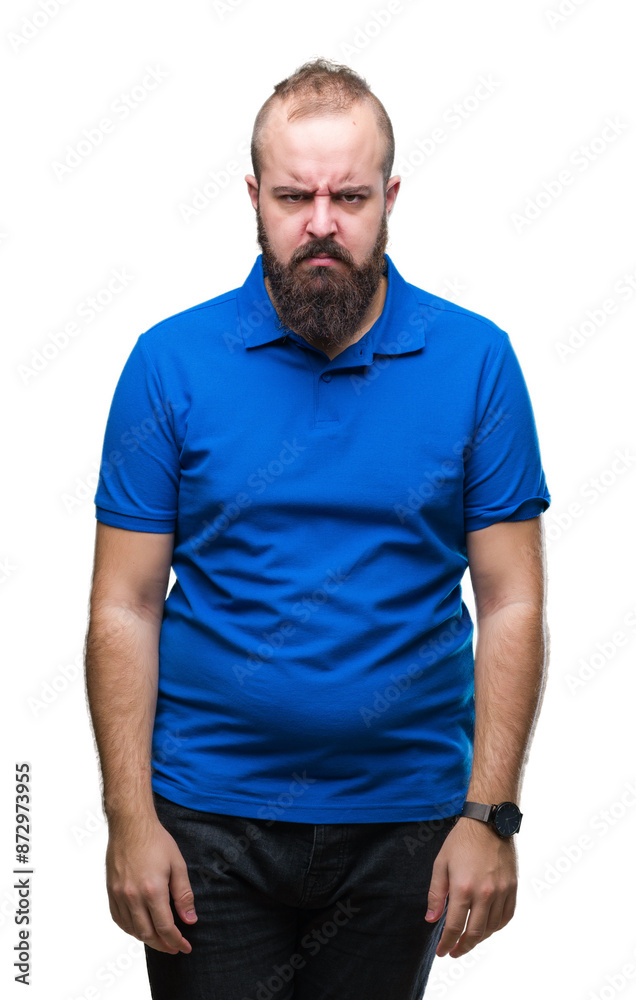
x=327 y=248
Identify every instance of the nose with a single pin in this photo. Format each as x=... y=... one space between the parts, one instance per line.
x=322 y=220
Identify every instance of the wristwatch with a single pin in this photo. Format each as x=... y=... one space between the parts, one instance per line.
x=505 y=818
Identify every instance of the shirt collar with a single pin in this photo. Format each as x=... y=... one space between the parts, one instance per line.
x=399 y=328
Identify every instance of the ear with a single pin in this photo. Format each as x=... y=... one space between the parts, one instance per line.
x=392 y=188
x=252 y=187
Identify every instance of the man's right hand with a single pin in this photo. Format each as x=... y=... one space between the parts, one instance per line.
x=143 y=867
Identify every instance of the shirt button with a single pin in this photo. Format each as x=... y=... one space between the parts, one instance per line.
x=326 y=377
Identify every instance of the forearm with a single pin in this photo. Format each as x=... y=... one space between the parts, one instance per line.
x=510 y=673
x=121 y=662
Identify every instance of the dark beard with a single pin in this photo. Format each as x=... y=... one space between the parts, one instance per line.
x=324 y=304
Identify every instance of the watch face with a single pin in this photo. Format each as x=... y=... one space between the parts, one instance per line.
x=507 y=818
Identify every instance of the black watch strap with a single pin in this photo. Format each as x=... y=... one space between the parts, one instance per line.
x=477 y=810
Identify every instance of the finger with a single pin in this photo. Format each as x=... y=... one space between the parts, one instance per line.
x=121 y=913
x=140 y=923
x=145 y=930
x=495 y=917
x=163 y=920
x=438 y=890
x=475 y=930
x=134 y=918
x=182 y=892
x=454 y=925
x=509 y=907
x=116 y=913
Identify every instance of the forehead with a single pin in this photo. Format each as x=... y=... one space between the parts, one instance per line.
x=346 y=146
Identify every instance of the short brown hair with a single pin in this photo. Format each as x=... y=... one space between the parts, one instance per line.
x=323 y=86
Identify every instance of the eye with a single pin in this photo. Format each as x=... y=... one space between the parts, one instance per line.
x=360 y=197
x=293 y=196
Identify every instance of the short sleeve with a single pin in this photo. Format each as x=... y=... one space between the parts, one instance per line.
x=503 y=473
x=139 y=474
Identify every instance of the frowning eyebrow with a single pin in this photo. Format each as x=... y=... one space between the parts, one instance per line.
x=353 y=189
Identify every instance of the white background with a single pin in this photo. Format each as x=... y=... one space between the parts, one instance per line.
x=556 y=80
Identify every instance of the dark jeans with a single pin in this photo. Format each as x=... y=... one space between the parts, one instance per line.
x=297 y=910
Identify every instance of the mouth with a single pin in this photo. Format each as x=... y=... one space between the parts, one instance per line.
x=321 y=260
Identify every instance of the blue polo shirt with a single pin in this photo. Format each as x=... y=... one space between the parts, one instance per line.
x=316 y=657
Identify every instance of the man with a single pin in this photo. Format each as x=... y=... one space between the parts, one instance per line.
x=311 y=784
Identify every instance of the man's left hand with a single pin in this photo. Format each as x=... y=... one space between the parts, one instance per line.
x=478 y=871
